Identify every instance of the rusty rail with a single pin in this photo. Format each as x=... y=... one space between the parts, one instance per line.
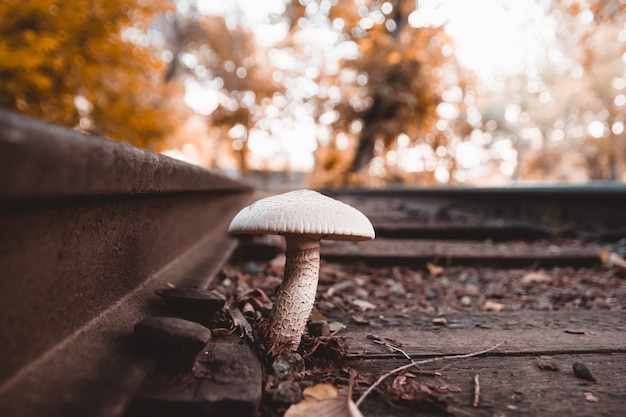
x=526 y=211
x=88 y=229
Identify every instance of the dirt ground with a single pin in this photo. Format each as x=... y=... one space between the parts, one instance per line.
x=437 y=289
x=359 y=290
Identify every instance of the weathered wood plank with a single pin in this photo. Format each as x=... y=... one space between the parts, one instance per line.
x=511 y=382
x=226 y=379
x=408 y=251
x=525 y=333
x=512 y=386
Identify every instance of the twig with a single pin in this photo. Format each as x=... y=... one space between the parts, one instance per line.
x=403 y=367
x=406 y=355
x=476 y=391
x=397 y=349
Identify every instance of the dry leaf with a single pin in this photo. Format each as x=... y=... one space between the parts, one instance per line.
x=319 y=392
x=612 y=259
x=536 y=277
x=316 y=315
x=360 y=320
x=440 y=321
x=335 y=326
x=255 y=297
x=591 y=398
x=493 y=306
x=322 y=400
x=547 y=364
x=364 y=305
x=403 y=391
x=435 y=270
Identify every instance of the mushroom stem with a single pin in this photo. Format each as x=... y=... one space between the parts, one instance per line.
x=296 y=294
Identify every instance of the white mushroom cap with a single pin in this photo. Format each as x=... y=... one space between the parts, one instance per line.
x=303 y=212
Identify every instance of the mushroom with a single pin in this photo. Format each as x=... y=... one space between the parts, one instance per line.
x=304 y=217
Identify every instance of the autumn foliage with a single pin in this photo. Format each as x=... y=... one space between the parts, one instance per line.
x=383 y=100
x=86 y=64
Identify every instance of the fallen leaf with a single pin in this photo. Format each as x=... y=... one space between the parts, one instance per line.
x=256 y=297
x=440 y=321
x=409 y=392
x=322 y=400
x=335 y=326
x=591 y=398
x=364 y=305
x=435 y=270
x=547 y=364
x=316 y=315
x=493 y=306
x=612 y=259
x=360 y=320
x=319 y=392
x=536 y=277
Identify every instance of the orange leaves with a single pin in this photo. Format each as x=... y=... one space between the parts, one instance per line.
x=323 y=400
x=51 y=53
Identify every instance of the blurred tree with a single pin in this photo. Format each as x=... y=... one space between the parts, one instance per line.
x=596 y=42
x=566 y=116
x=224 y=60
x=352 y=71
x=391 y=86
x=86 y=64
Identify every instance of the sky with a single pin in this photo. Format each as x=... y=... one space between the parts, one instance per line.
x=491 y=40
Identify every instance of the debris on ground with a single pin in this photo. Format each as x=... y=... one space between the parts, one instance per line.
x=581 y=371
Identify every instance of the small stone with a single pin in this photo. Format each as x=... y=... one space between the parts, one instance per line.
x=581 y=371
x=472 y=289
x=190 y=302
x=431 y=294
x=287 y=363
x=319 y=328
x=175 y=342
x=287 y=392
x=397 y=288
x=466 y=301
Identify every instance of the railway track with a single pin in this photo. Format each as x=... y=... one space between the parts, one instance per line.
x=90 y=229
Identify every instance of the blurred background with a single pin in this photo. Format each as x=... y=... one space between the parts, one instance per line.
x=334 y=92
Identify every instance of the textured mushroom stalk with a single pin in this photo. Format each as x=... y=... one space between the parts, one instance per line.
x=296 y=294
